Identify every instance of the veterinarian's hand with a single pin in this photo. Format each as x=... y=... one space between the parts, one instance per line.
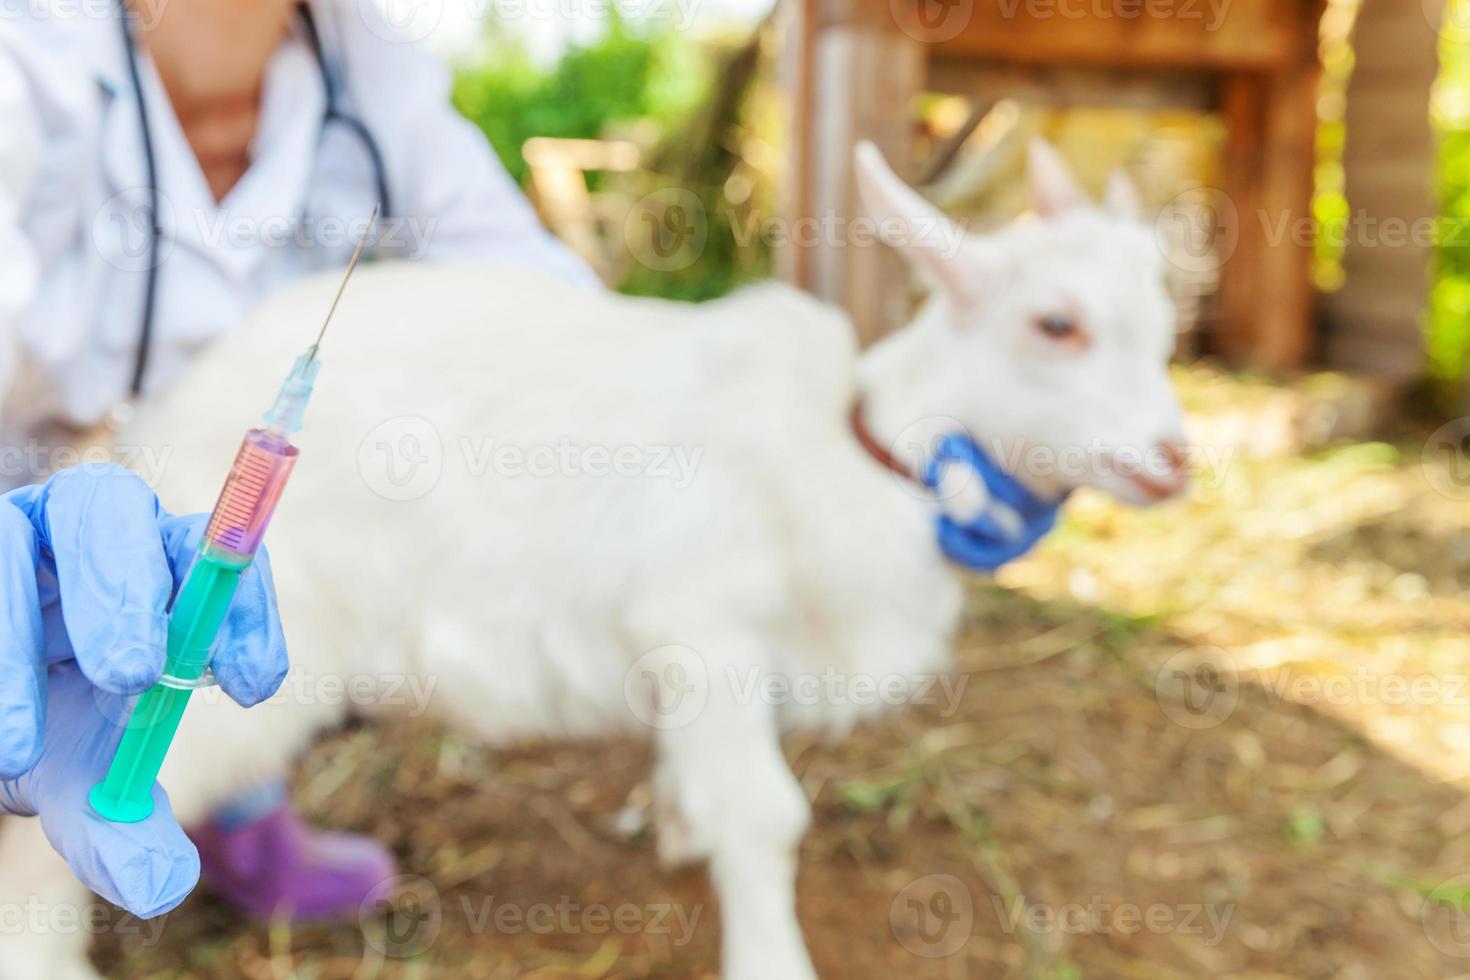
x=88 y=565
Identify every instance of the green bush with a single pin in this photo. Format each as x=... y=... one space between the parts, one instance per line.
x=639 y=79
x=625 y=76
x=1449 y=303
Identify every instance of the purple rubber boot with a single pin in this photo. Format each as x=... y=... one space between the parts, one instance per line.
x=263 y=859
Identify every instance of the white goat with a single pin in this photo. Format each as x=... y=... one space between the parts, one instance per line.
x=490 y=500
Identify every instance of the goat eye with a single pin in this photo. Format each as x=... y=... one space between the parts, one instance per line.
x=1058 y=326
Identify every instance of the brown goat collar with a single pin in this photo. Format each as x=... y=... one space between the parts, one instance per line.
x=873 y=447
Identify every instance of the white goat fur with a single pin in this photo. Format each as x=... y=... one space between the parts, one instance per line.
x=526 y=600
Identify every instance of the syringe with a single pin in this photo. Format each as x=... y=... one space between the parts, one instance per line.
x=230 y=542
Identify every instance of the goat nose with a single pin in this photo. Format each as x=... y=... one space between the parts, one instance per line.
x=1175 y=476
x=1174 y=453
x=1163 y=474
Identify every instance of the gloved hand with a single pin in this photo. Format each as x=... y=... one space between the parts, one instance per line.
x=88 y=565
x=1001 y=520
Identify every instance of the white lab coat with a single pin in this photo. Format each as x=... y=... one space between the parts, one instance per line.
x=73 y=199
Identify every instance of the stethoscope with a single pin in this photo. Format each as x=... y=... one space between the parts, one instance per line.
x=332 y=114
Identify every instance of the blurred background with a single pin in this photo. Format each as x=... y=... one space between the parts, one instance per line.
x=1229 y=737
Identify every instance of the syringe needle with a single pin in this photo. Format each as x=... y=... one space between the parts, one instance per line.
x=361 y=244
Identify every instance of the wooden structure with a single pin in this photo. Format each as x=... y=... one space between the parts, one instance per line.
x=853 y=66
x=558 y=186
x=1374 y=323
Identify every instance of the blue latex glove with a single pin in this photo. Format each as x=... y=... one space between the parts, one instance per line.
x=989 y=541
x=88 y=565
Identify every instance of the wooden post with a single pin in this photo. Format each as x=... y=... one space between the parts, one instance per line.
x=1267 y=298
x=1375 y=321
x=1242 y=107
x=1266 y=292
x=1285 y=321
x=854 y=77
x=796 y=28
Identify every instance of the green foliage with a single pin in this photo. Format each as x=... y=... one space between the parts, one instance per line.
x=624 y=76
x=734 y=253
x=1330 y=207
x=1305 y=826
x=863 y=796
x=633 y=79
x=1449 y=302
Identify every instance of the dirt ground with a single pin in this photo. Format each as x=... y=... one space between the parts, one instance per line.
x=1224 y=738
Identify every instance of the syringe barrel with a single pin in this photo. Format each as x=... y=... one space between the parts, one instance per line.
x=230 y=542
x=251 y=492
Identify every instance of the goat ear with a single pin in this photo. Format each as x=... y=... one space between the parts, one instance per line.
x=931 y=243
x=1054 y=191
x=1122 y=196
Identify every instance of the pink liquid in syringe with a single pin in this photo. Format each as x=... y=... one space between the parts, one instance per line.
x=251 y=491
